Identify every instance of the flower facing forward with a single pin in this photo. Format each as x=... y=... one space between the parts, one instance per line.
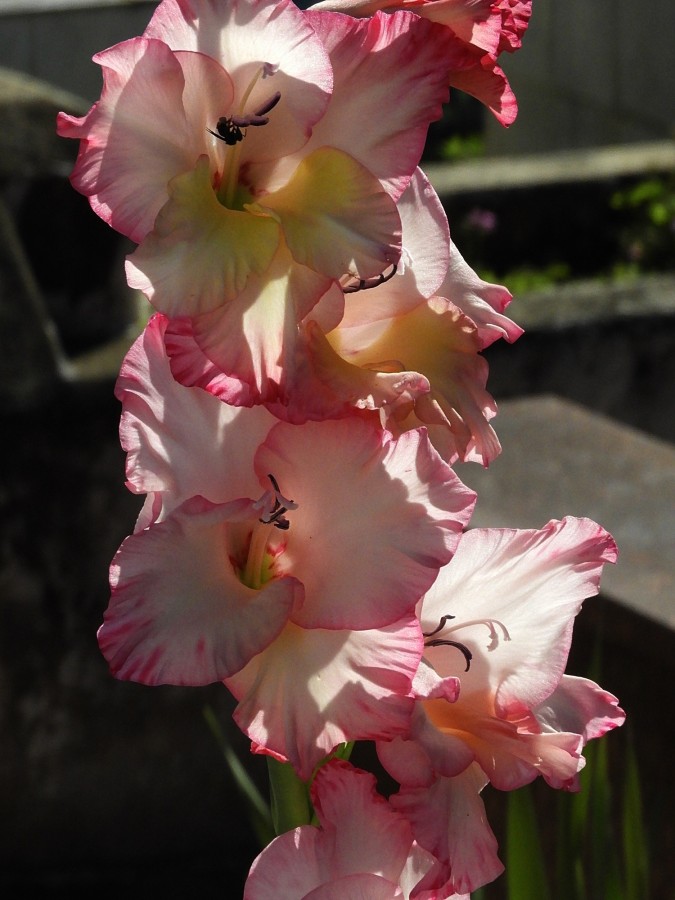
x=245 y=149
x=361 y=849
x=499 y=617
x=285 y=559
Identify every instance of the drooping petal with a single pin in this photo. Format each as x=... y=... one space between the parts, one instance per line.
x=335 y=216
x=200 y=254
x=140 y=134
x=424 y=259
x=376 y=518
x=181 y=441
x=581 y=706
x=178 y=613
x=243 y=35
x=448 y=819
x=363 y=850
x=313 y=689
x=482 y=302
x=436 y=339
x=254 y=339
x=486 y=81
x=390 y=83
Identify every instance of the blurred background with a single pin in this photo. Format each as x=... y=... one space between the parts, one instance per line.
x=109 y=787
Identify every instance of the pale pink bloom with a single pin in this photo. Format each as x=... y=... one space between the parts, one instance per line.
x=285 y=558
x=482 y=30
x=408 y=350
x=499 y=617
x=245 y=149
x=361 y=849
x=410 y=347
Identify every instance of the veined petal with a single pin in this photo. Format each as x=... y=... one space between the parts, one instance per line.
x=486 y=81
x=244 y=35
x=435 y=339
x=356 y=386
x=336 y=217
x=376 y=518
x=580 y=706
x=138 y=136
x=424 y=259
x=162 y=422
x=178 y=613
x=533 y=582
x=254 y=339
x=313 y=689
x=482 y=302
x=448 y=819
x=200 y=254
x=390 y=83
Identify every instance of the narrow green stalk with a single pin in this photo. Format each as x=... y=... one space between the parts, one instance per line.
x=289 y=796
x=258 y=811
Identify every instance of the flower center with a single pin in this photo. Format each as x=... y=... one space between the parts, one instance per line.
x=491 y=624
x=232 y=130
x=273 y=507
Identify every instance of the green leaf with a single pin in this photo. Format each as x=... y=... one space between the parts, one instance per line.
x=258 y=811
x=635 y=849
x=525 y=871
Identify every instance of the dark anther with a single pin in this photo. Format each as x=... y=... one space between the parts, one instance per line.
x=439 y=627
x=229 y=128
x=365 y=284
x=442 y=642
x=276 y=517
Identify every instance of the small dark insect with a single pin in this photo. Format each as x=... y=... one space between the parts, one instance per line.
x=229 y=128
x=365 y=284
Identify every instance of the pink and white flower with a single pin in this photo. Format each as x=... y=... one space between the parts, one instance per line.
x=305 y=605
x=362 y=848
x=243 y=146
x=408 y=349
x=482 y=29
x=499 y=617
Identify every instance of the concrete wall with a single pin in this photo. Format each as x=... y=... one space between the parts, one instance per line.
x=591 y=73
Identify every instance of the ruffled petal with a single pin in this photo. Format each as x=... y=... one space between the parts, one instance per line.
x=254 y=339
x=200 y=254
x=580 y=706
x=314 y=689
x=482 y=302
x=424 y=259
x=178 y=613
x=162 y=423
x=392 y=63
x=530 y=582
x=336 y=217
x=244 y=35
x=141 y=134
x=448 y=819
x=376 y=518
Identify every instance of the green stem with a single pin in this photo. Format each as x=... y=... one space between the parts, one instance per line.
x=289 y=797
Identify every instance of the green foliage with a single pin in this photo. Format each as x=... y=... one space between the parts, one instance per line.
x=647 y=233
x=527 y=278
x=601 y=848
x=458 y=148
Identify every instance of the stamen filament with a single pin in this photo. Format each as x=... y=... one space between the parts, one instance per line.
x=252 y=575
x=228 y=183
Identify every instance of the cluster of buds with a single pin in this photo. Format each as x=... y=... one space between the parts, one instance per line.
x=292 y=413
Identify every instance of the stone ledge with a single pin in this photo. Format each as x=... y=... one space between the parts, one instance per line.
x=564 y=167
x=561 y=459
